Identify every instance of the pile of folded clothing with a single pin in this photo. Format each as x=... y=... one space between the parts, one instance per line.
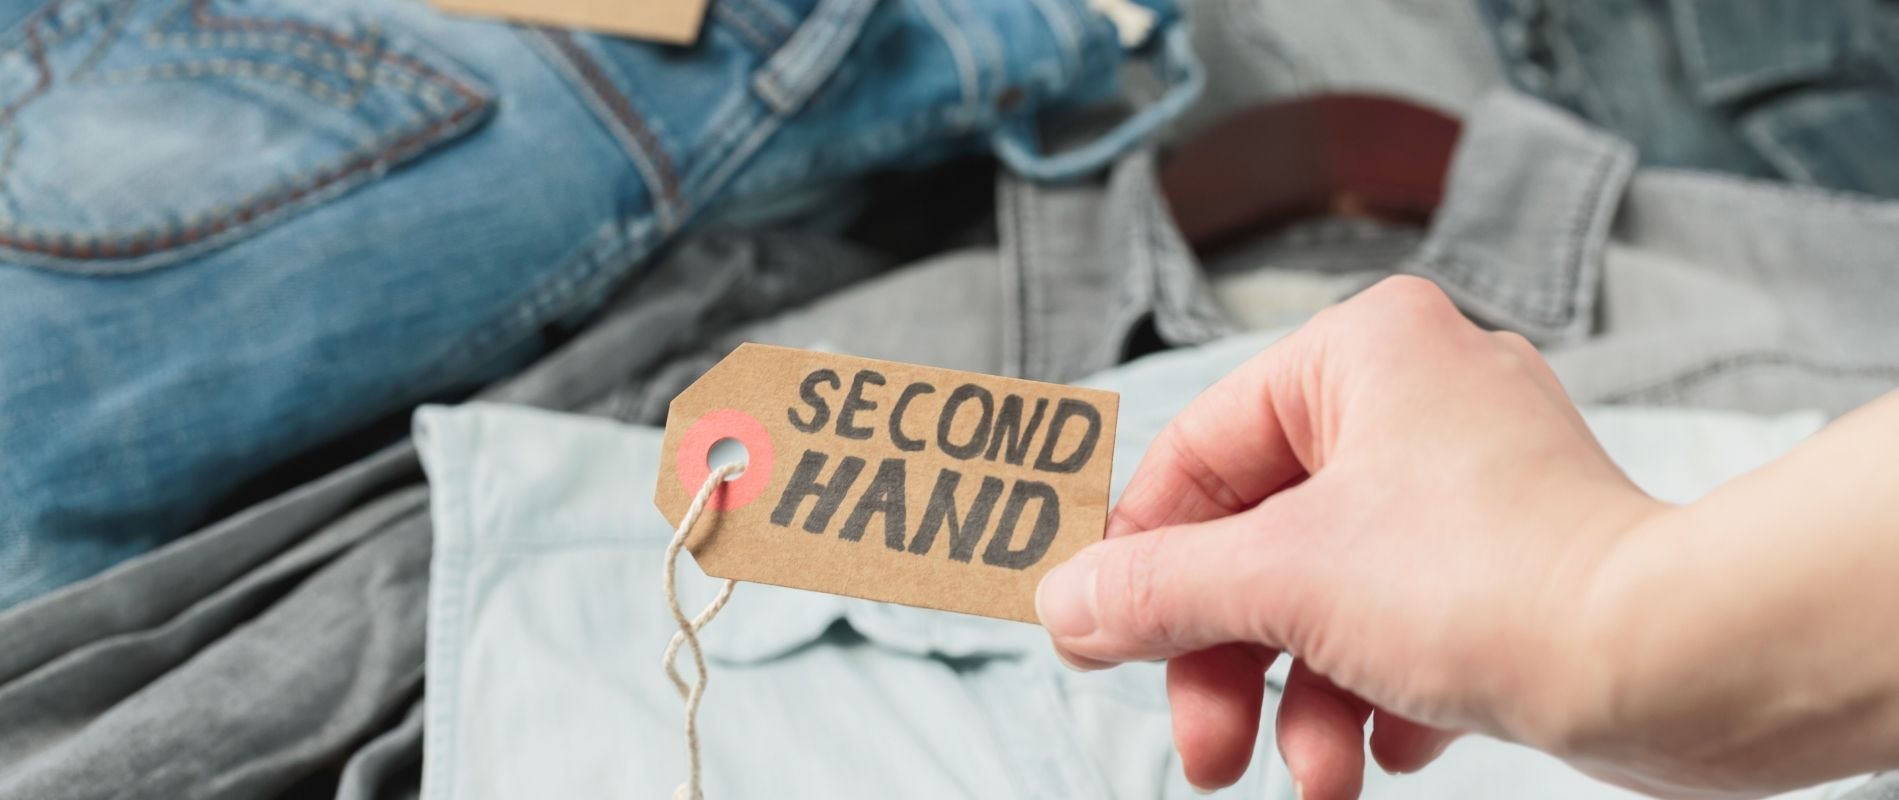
x=242 y=242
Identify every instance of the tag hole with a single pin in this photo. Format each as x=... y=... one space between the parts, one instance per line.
x=728 y=451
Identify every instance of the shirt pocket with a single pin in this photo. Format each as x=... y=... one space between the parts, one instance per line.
x=138 y=133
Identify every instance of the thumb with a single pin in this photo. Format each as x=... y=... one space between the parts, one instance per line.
x=1185 y=588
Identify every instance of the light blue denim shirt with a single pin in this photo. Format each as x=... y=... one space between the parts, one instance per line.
x=546 y=624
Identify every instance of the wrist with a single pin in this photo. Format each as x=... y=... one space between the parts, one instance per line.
x=1588 y=682
x=1704 y=659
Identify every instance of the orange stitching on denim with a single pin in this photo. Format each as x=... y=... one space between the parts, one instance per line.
x=624 y=112
x=38 y=54
x=140 y=243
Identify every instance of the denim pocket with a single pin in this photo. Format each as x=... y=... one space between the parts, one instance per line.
x=137 y=133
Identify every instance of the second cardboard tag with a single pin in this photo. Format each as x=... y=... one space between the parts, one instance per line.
x=887 y=481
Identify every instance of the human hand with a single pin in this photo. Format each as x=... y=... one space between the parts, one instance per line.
x=1408 y=505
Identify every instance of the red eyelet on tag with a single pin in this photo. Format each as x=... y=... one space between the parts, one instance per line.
x=696 y=445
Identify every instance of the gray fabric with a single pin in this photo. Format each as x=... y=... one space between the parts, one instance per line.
x=390 y=766
x=252 y=707
x=1665 y=287
x=1079 y=273
x=260 y=652
x=1432 y=52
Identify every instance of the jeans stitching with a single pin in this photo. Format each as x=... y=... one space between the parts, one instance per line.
x=960 y=52
x=242 y=214
x=984 y=44
x=353 y=69
x=769 y=15
x=1067 y=38
x=115 y=26
x=645 y=148
x=1557 y=308
x=238 y=68
x=1014 y=281
x=742 y=26
x=36 y=52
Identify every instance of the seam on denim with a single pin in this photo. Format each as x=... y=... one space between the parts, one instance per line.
x=1767 y=132
x=1068 y=35
x=622 y=246
x=114 y=27
x=253 y=210
x=985 y=45
x=743 y=27
x=202 y=16
x=626 y=123
x=1735 y=362
x=1688 y=22
x=1035 y=302
x=9 y=150
x=960 y=52
x=728 y=152
x=1589 y=227
x=348 y=65
x=64 y=30
x=1589 y=95
x=1009 y=258
x=734 y=119
x=1195 y=318
x=773 y=16
x=1499 y=295
x=230 y=221
x=1818 y=197
x=1554 y=308
x=1708 y=89
x=736 y=158
x=870 y=145
x=234 y=219
x=811 y=54
x=228 y=68
x=36 y=53
x=443 y=656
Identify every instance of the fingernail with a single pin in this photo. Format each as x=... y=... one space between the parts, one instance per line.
x=1199 y=790
x=1299 y=790
x=1066 y=599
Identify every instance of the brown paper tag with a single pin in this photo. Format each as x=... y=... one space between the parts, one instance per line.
x=671 y=21
x=895 y=482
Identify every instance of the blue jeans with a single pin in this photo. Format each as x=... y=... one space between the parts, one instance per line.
x=230 y=232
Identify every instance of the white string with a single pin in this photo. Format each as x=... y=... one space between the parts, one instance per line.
x=688 y=634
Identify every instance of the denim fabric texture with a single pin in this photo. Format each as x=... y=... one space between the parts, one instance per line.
x=1669 y=287
x=231 y=231
x=1801 y=91
x=1081 y=276
x=546 y=611
x=282 y=645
